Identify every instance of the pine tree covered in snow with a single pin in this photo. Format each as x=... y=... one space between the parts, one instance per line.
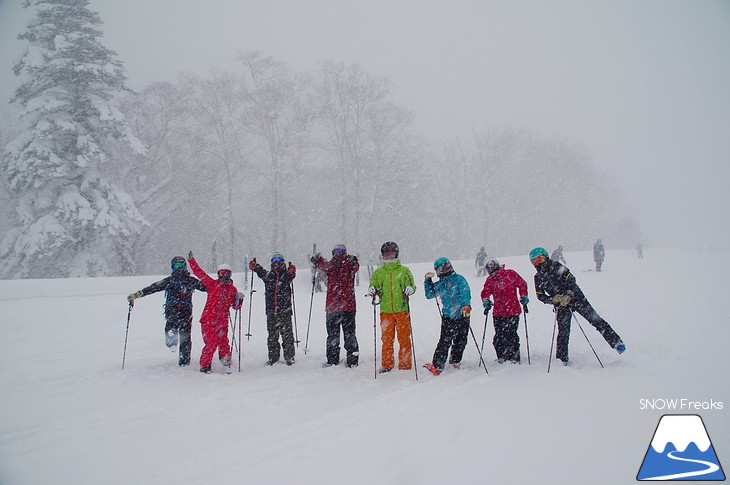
x=72 y=220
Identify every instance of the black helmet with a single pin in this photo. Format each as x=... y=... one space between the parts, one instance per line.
x=389 y=247
x=492 y=266
x=175 y=263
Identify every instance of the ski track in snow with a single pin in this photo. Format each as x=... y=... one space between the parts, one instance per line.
x=71 y=415
x=711 y=468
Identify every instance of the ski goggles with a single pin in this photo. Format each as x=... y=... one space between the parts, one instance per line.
x=538 y=260
x=338 y=251
x=179 y=265
x=277 y=259
x=225 y=273
x=444 y=268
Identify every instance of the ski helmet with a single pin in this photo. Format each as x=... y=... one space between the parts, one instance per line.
x=538 y=256
x=224 y=272
x=389 y=247
x=492 y=266
x=339 y=249
x=277 y=258
x=443 y=266
x=178 y=262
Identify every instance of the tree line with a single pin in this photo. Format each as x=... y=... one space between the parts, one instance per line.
x=100 y=180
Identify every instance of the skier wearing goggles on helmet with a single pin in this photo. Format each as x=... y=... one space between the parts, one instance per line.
x=222 y=296
x=455 y=295
x=394 y=284
x=340 y=307
x=555 y=285
x=178 y=288
x=278 y=296
x=503 y=285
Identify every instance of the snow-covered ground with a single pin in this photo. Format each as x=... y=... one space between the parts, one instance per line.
x=70 y=415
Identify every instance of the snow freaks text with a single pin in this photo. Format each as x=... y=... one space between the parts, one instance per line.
x=679 y=404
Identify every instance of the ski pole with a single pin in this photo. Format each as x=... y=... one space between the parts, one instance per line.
x=294 y=313
x=484 y=334
x=552 y=341
x=375 y=336
x=240 y=331
x=232 y=323
x=586 y=336
x=481 y=359
x=250 y=305
x=311 y=302
x=126 y=335
x=527 y=335
x=410 y=329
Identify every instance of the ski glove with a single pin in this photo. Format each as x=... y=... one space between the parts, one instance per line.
x=134 y=296
x=239 y=298
x=315 y=259
x=408 y=291
x=352 y=259
x=487 y=304
x=466 y=311
x=561 y=300
x=524 y=300
x=429 y=275
x=292 y=269
x=252 y=264
x=190 y=255
x=372 y=291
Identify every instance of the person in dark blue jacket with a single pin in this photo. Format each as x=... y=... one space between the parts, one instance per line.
x=278 y=296
x=178 y=288
x=453 y=291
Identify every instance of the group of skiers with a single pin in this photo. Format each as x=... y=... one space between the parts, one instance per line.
x=391 y=286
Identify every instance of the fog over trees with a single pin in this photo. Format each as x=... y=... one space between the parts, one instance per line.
x=99 y=180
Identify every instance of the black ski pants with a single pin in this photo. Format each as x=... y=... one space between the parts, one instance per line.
x=584 y=308
x=179 y=320
x=346 y=321
x=280 y=325
x=506 y=341
x=454 y=335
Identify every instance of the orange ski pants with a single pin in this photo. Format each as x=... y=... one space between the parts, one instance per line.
x=390 y=325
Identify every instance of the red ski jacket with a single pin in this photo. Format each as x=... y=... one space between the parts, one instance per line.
x=504 y=284
x=340 y=273
x=221 y=297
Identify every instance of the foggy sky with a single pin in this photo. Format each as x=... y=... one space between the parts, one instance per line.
x=643 y=85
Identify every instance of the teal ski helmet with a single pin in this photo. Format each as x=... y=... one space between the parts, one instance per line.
x=442 y=266
x=538 y=256
x=537 y=252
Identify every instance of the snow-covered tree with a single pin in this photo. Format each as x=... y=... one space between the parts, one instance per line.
x=278 y=117
x=72 y=218
x=368 y=139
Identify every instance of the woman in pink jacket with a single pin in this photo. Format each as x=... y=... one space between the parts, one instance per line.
x=504 y=284
x=222 y=296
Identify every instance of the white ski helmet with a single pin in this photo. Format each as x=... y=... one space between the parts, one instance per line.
x=224 y=271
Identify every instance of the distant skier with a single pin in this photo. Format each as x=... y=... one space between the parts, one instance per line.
x=453 y=291
x=222 y=296
x=555 y=285
x=504 y=285
x=480 y=260
x=179 y=288
x=598 y=254
x=340 y=307
x=278 y=296
x=394 y=283
x=639 y=250
x=558 y=254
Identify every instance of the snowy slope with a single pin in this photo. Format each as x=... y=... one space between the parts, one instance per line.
x=70 y=415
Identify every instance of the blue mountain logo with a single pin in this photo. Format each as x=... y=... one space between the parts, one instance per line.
x=681 y=450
